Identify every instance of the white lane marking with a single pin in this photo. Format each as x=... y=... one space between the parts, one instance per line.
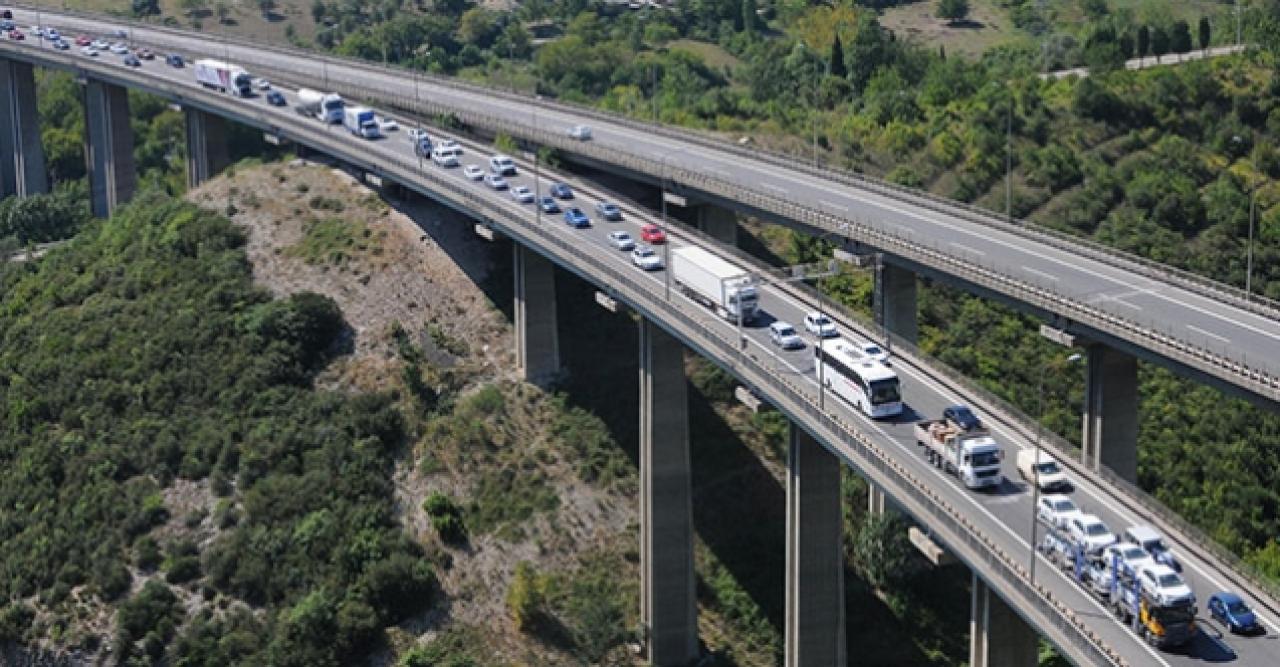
x=1208 y=333
x=1126 y=304
x=1040 y=273
x=838 y=207
x=968 y=248
x=775 y=188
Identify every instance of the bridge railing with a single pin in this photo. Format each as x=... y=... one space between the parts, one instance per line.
x=1203 y=285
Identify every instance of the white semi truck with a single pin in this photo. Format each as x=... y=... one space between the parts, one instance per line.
x=321 y=106
x=224 y=77
x=973 y=456
x=361 y=121
x=714 y=283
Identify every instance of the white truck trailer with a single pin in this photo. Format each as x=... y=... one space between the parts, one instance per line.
x=361 y=121
x=973 y=456
x=326 y=107
x=224 y=77
x=714 y=283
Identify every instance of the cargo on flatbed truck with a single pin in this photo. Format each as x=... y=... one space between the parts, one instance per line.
x=973 y=456
x=1115 y=584
x=714 y=283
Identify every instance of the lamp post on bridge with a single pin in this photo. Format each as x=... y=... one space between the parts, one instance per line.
x=1035 y=482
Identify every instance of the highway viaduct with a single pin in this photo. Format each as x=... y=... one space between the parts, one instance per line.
x=820 y=439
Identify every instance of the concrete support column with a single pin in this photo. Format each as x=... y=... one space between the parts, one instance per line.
x=537 y=342
x=1111 y=412
x=108 y=147
x=717 y=222
x=998 y=636
x=878 y=501
x=207 y=151
x=668 y=607
x=815 y=559
x=895 y=300
x=22 y=169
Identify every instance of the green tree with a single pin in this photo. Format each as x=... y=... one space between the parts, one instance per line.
x=837 y=66
x=1204 y=32
x=1144 y=41
x=1159 y=42
x=1180 y=37
x=953 y=11
x=1094 y=9
x=144 y=8
x=478 y=26
x=318 y=11
x=526 y=596
x=750 y=19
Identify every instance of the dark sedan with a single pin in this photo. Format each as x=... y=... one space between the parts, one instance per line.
x=561 y=191
x=275 y=98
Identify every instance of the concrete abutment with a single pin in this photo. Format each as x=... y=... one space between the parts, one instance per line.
x=22 y=165
x=537 y=341
x=207 y=151
x=108 y=147
x=1111 y=412
x=815 y=619
x=895 y=300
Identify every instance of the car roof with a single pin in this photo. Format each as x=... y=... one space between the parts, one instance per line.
x=1227 y=597
x=1142 y=533
x=1088 y=518
x=1158 y=569
x=780 y=324
x=1055 y=497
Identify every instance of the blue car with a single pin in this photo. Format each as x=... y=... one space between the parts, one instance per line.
x=561 y=191
x=1232 y=612
x=962 y=416
x=574 y=217
x=549 y=205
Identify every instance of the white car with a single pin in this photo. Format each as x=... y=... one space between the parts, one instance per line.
x=496 y=181
x=820 y=325
x=873 y=351
x=1148 y=538
x=416 y=134
x=120 y=48
x=1089 y=531
x=100 y=45
x=645 y=258
x=473 y=172
x=1057 y=510
x=89 y=51
x=1132 y=555
x=622 y=240
x=580 y=132
x=784 y=336
x=502 y=165
x=1163 y=584
x=449 y=145
x=444 y=158
x=261 y=83
x=387 y=124
x=522 y=194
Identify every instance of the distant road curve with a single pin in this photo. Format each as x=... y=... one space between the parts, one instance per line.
x=1152 y=61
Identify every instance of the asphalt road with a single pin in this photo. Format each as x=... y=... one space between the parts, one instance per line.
x=1004 y=513
x=1186 y=316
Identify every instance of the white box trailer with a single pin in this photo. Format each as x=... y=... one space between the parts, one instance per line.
x=714 y=283
x=224 y=77
x=361 y=121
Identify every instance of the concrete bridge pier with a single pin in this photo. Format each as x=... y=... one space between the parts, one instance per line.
x=1111 y=412
x=815 y=559
x=668 y=603
x=207 y=153
x=22 y=167
x=998 y=636
x=716 y=221
x=879 y=502
x=895 y=300
x=537 y=342
x=108 y=147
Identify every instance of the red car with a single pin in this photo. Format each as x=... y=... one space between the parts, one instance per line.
x=16 y=34
x=652 y=234
x=83 y=41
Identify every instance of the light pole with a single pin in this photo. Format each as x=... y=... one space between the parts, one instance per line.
x=537 y=175
x=1008 y=160
x=1253 y=201
x=1035 y=483
x=666 y=247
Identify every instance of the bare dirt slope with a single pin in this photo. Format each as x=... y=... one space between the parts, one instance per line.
x=389 y=263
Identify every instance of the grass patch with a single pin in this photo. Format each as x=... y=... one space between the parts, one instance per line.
x=336 y=242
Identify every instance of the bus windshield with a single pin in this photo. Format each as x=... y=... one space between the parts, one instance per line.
x=885 y=391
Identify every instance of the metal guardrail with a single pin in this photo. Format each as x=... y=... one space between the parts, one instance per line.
x=698 y=328
x=1199 y=357
x=1259 y=304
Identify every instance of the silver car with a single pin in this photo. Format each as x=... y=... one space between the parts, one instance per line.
x=645 y=258
x=784 y=336
x=622 y=241
x=522 y=194
x=496 y=181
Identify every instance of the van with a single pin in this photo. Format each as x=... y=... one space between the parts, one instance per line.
x=1051 y=476
x=502 y=165
x=445 y=156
